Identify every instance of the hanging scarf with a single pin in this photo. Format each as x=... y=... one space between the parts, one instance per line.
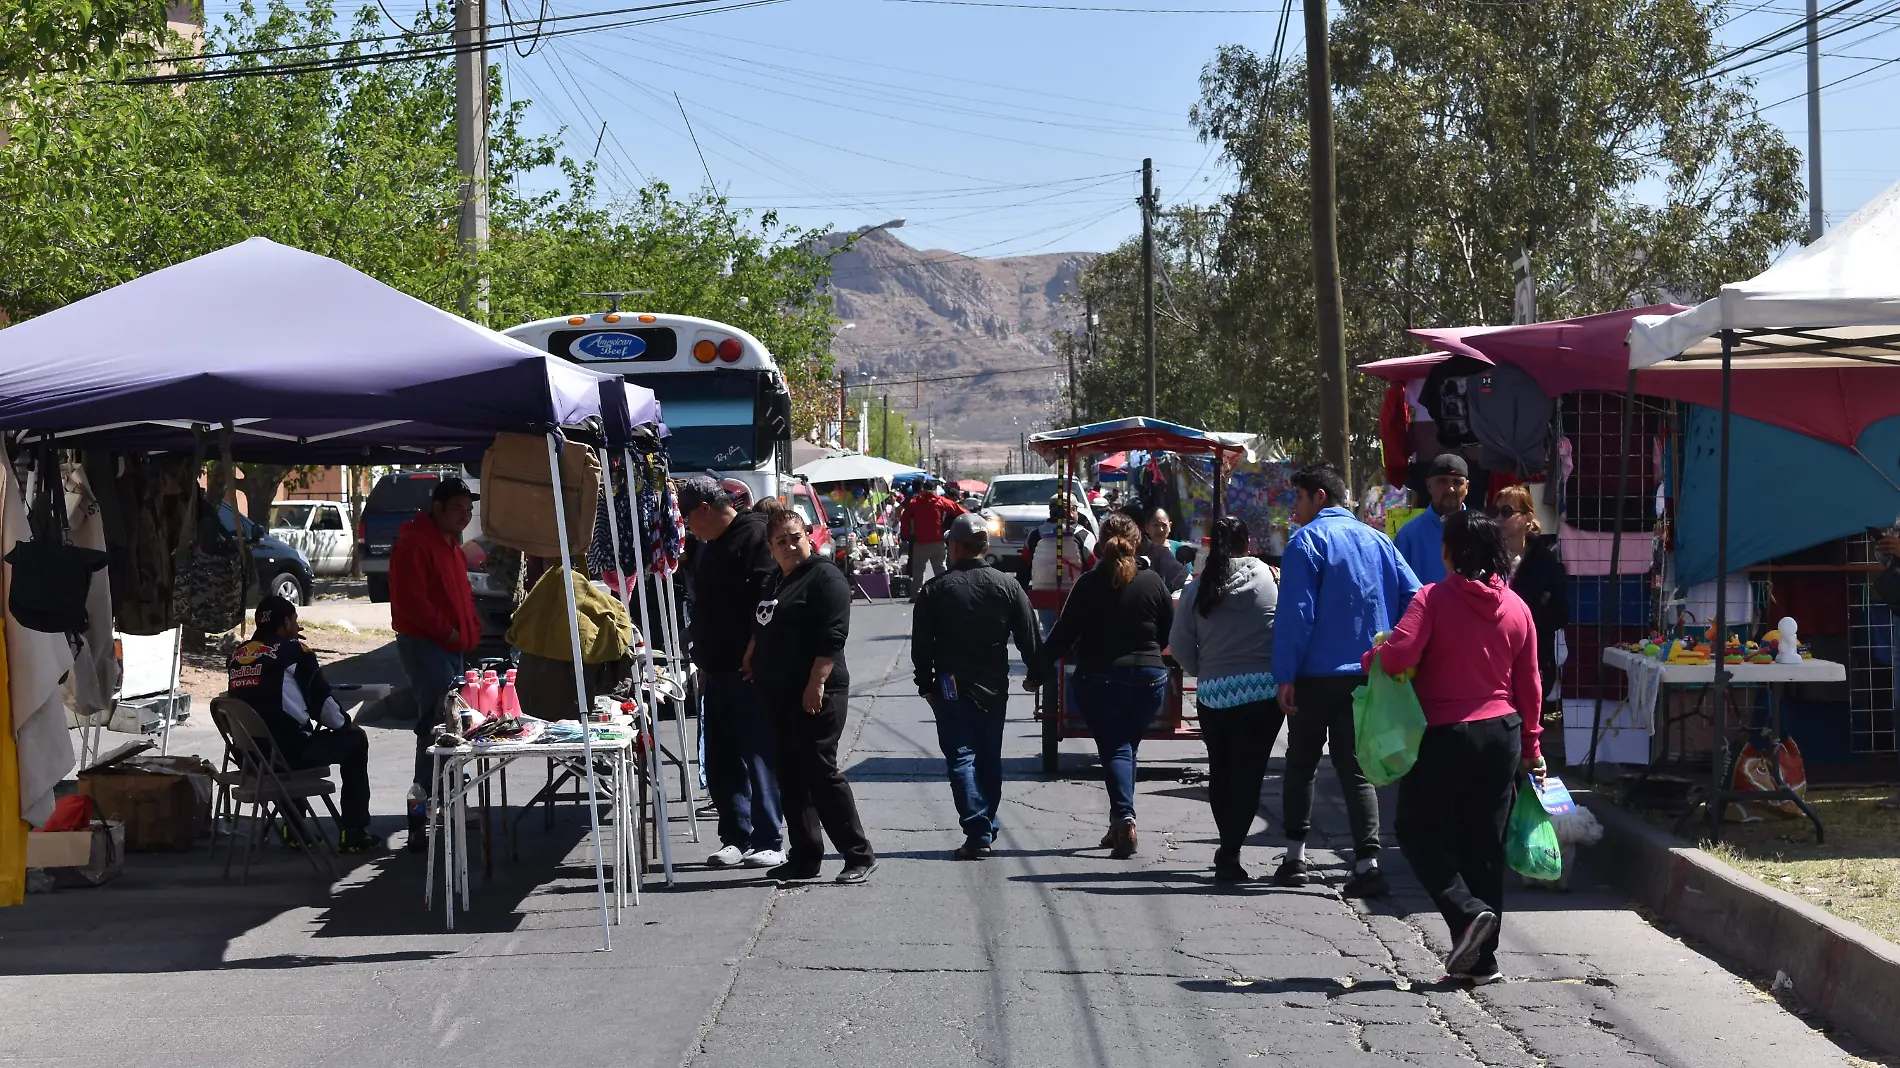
x=600 y=556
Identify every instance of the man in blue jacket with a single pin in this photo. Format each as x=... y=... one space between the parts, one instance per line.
x=1341 y=584
x=1422 y=540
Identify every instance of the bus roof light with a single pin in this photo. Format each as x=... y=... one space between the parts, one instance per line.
x=730 y=350
x=647 y=319
x=578 y=320
x=611 y=317
x=705 y=351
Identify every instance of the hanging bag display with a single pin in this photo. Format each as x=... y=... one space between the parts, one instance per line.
x=213 y=573
x=1530 y=839
x=1388 y=724
x=518 y=497
x=51 y=577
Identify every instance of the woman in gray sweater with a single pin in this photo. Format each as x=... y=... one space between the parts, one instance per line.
x=1223 y=636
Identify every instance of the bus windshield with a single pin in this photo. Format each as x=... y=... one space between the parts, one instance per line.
x=713 y=417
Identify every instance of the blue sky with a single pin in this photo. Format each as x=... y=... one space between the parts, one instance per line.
x=996 y=130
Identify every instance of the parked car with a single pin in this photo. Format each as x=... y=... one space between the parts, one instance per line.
x=817 y=516
x=1015 y=505
x=282 y=568
x=320 y=528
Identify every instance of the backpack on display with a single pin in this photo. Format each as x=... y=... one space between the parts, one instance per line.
x=518 y=496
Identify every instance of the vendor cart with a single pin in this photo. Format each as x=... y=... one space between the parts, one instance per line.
x=1065 y=447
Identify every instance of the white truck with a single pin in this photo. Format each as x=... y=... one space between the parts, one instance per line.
x=321 y=529
x=1015 y=505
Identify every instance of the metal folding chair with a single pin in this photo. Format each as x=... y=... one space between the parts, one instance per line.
x=274 y=790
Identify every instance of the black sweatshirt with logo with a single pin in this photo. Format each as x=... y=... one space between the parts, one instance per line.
x=801 y=617
x=729 y=574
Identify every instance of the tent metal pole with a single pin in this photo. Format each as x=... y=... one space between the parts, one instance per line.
x=650 y=717
x=676 y=659
x=580 y=686
x=1616 y=557
x=620 y=823
x=1718 y=759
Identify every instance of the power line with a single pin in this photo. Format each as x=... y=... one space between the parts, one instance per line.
x=1111 y=10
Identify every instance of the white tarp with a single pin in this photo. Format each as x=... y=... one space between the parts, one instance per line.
x=854 y=467
x=1842 y=287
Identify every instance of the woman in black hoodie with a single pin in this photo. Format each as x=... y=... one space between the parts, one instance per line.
x=1540 y=579
x=797 y=659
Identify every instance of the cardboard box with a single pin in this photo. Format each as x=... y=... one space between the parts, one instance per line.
x=164 y=802
x=58 y=849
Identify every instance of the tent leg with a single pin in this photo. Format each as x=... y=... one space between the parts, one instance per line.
x=626 y=599
x=649 y=716
x=1718 y=762
x=580 y=686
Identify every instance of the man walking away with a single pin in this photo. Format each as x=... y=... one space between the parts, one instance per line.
x=1052 y=562
x=727 y=569
x=925 y=518
x=1422 y=540
x=432 y=610
x=1341 y=584
x=959 y=637
x=277 y=674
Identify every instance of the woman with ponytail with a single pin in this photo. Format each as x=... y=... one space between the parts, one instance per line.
x=1114 y=625
x=1223 y=636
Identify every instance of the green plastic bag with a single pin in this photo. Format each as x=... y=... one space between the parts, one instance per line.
x=1530 y=842
x=1387 y=724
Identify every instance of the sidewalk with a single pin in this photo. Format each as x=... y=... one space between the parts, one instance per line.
x=1046 y=955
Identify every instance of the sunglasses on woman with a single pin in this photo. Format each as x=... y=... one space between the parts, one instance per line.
x=1506 y=512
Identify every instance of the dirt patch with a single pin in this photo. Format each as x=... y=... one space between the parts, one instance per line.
x=203 y=671
x=1855 y=875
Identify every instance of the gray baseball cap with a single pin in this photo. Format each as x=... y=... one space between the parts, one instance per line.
x=970 y=528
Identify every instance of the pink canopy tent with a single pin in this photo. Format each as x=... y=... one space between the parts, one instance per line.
x=1828 y=401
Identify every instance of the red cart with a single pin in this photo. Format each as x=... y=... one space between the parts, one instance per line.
x=1065 y=447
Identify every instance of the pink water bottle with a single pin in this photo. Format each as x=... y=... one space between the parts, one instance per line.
x=510 y=697
x=491 y=694
x=472 y=689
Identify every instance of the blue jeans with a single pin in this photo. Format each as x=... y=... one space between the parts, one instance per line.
x=432 y=671
x=970 y=733
x=1118 y=705
x=741 y=748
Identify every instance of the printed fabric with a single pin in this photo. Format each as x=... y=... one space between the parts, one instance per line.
x=600 y=556
x=1232 y=691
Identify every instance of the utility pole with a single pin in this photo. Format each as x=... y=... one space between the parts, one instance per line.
x=471 y=140
x=1817 y=220
x=1148 y=283
x=884 y=436
x=1327 y=300
x=841 y=408
x=1090 y=306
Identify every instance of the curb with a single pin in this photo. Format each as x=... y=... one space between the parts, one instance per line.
x=1844 y=972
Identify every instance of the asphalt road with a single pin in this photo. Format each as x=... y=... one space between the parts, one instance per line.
x=1047 y=954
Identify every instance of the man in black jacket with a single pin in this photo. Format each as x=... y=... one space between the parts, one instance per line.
x=959 y=645
x=727 y=568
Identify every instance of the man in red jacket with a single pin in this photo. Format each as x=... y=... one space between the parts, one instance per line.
x=926 y=517
x=432 y=609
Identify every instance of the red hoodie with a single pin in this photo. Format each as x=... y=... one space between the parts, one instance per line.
x=1476 y=651
x=429 y=593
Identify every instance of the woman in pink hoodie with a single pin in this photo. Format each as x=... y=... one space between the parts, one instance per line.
x=1475 y=647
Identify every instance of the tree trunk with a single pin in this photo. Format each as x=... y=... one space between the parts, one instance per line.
x=259 y=484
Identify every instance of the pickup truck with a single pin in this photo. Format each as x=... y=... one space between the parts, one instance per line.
x=320 y=528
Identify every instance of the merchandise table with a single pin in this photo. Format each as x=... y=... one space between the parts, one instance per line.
x=448 y=809
x=1767 y=735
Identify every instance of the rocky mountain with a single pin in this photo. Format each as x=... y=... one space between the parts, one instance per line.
x=962 y=344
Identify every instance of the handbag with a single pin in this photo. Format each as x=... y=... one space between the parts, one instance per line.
x=51 y=577
x=1530 y=839
x=211 y=576
x=1387 y=725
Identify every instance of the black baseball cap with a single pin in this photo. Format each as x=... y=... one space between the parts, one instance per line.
x=271 y=613
x=451 y=487
x=1448 y=463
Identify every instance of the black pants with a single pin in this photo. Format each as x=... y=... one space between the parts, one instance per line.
x=348 y=749
x=1324 y=721
x=813 y=792
x=1452 y=810
x=1239 y=741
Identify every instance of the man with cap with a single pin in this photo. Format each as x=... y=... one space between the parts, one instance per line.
x=277 y=675
x=432 y=610
x=1421 y=541
x=925 y=518
x=727 y=568
x=960 y=636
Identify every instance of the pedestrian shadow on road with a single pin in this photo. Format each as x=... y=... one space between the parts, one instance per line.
x=1331 y=986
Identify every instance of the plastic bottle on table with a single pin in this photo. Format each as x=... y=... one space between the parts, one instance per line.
x=472 y=689
x=490 y=694
x=510 y=697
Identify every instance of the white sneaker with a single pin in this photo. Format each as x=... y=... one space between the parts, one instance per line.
x=729 y=857
x=765 y=858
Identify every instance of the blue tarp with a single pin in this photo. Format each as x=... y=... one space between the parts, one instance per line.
x=1786 y=491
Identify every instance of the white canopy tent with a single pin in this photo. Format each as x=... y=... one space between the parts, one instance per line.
x=854 y=467
x=1830 y=310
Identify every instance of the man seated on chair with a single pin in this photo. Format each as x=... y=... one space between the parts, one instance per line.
x=276 y=673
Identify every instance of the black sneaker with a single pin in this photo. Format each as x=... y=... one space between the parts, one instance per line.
x=857 y=873
x=793 y=873
x=971 y=849
x=1230 y=871
x=1290 y=873
x=359 y=842
x=1368 y=883
x=1483 y=973
x=1465 y=956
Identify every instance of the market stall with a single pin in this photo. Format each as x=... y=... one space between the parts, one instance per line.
x=378 y=376
x=860 y=486
x=1069 y=447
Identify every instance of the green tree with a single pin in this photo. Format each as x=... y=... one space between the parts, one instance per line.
x=1468 y=132
x=42 y=39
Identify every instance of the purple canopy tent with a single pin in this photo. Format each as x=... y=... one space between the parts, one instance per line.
x=310 y=361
